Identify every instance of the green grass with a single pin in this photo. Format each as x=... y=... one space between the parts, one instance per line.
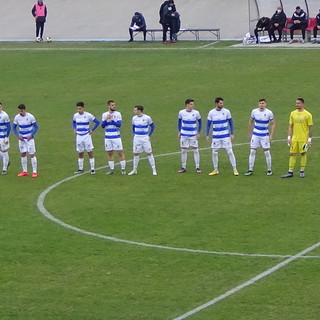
x=49 y=272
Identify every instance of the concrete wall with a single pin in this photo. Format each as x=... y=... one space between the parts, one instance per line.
x=103 y=19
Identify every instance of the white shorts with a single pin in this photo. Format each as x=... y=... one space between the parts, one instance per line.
x=186 y=142
x=84 y=143
x=113 y=144
x=3 y=145
x=263 y=142
x=224 y=143
x=141 y=144
x=27 y=146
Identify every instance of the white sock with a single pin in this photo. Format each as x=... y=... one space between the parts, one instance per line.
x=184 y=156
x=91 y=160
x=5 y=159
x=215 y=159
x=268 y=159
x=80 y=163
x=232 y=159
x=196 y=156
x=123 y=164
x=24 y=164
x=135 y=162
x=111 y=165
x=252 y=158
x=34 y=163
x=151 y=161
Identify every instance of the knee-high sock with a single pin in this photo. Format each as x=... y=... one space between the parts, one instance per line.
x=24 y=164
x=184 y=158
x=34 y=163
x=80 y=163
x=123 y=164
x=196 y=156
x=92 y=163
x=232 y=158
x=215 y=159
x=135 y=162
x=5 y=159
x=267 y=154
x=252 y=159
x=292 y=162
x=111 y=165
x=303 y=162
x=151 y=161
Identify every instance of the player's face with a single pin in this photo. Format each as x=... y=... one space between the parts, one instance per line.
x=190 y=106
x=262 y=105
x=299 y=105
x=112 y=106
x=136 y=111
x=80 y=109
x=219 y=105
x=22 y=112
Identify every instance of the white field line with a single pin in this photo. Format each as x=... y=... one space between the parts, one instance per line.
x=249 y=282
x=47 y=214
x=208 y=45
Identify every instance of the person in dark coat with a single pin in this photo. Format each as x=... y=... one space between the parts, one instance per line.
x=39 y=11
x=176 y=23
x=278 y=22
x=264 y=24
x=316 y=28
x=166 y=10
x=299 y=21
x=138 y=23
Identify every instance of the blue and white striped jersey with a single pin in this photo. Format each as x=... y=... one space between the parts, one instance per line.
x=188 y=122
x=4 y=122
x=82 y=122
x=112 y=126
x=220 y=119
x=261 y=121
x=140 y=125
x=25 y=124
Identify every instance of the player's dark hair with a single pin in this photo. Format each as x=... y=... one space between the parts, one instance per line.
x=110 y=101
x=218 y=99
x=80 y=104
x=301 y=99
x=260 y=100
x=188 y=101
x=139 y=107
x=21 y=106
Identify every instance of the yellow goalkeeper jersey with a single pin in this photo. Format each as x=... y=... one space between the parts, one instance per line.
x=301 y=120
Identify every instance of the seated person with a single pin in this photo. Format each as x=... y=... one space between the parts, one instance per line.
x=138 y=23
x=316 y=28
x=278 y=22
x=299 y=21
x=263 y=24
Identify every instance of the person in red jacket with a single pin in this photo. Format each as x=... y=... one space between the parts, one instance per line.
x=39 y=11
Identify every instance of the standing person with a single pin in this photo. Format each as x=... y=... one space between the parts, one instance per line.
x=316 y=28
x=28 y=127
x=138 y=23
x=299 y=137
x=278 y=22
x=81 y=127
x=112 y=121
x=299 y=21
x=176 y=23
x=142 y=128
x=39 y=11
x=189 y=133
x=166 y=10
x=222 y=135
x=263 y=24
x=259 y=122
x=5 y=129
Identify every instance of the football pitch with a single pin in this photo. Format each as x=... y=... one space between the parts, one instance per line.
x=160 y=247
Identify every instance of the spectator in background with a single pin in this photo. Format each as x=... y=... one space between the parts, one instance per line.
x=39 y=11
x=316 y=28
x=264 y=24
x=278 y=22
x=138 y=23
x=166 y=11
x=176 y=23
x=299 y=21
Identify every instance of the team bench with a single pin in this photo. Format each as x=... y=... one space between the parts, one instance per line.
x=196 y=32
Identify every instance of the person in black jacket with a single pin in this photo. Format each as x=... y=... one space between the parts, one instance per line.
x=316 y=28
x=138 y=23
x=299 y=21
x=176 y=23
x=264 y=24
x=278 y=22
x=166 y=10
